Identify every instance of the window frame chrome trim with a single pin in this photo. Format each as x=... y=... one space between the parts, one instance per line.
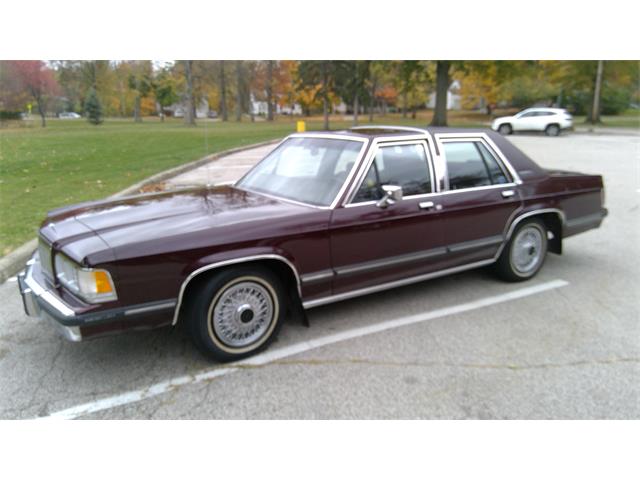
x=441 y=138
x=337 y=136
x=232 y=261
x=380 y=142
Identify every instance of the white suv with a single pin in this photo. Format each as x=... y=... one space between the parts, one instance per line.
x=548 y=120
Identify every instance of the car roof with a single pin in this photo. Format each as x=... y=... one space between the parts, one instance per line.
x=525 y=167
x=546 y=109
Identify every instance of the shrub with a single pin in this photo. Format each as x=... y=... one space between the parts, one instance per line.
x=93 y=108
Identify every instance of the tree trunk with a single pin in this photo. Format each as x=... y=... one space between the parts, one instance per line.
x=356 y=108
x=252 y=114
x=404 y=102
x=594 y=116
x=189 y=117
x=136 y=110
x=372 y=99
x=238 y=91
x=269 y=88
x=43 y=120
x=223 y=92
x=325 y=95
x=414 y=112
x=442 y=87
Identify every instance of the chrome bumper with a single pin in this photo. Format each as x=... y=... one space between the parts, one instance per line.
x=42 y=303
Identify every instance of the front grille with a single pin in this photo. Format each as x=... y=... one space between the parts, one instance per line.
x=44 y=251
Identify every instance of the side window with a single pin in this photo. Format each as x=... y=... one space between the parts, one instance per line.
x=403 y=165
x=496 y=173
x=470 y=164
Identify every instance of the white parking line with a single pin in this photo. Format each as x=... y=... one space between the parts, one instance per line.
x=281 y=353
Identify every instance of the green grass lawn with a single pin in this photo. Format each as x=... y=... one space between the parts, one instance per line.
x=628 y=119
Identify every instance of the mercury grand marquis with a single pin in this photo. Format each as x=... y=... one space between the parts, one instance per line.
x=326 y=216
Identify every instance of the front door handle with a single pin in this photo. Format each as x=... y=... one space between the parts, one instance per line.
x=508 y=193
x=429 y=206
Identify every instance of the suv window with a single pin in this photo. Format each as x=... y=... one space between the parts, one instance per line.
x=403 y=165
x=470 y=164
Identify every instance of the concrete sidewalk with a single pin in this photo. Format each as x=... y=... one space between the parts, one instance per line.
x=225 y=169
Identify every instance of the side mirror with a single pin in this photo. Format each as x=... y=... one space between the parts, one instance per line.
x=392 y=194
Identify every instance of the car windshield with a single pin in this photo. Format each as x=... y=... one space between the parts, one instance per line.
x=305 y=169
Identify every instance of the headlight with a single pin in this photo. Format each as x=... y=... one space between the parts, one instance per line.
x=93 y=285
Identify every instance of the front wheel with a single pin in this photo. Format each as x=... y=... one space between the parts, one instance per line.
x=236 y=313
x=505 y=129
x=525 y=252
x=552 y=130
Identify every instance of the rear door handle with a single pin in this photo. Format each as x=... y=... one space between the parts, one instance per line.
x=508 y=193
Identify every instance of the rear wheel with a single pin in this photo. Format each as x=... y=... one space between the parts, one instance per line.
x=552 y=130
x=505 y=129
x=525 y=252
x=236 y=313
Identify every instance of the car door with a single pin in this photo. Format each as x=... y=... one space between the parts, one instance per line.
x=372 y=244
x=525 y=121
x=481 y=196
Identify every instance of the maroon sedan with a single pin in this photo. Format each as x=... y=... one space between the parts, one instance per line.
x=324 y=217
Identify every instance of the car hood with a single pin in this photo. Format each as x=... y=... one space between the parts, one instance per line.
x=160 y=222
x=503 y=119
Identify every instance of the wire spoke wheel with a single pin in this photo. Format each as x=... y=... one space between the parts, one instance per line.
x=242 y=313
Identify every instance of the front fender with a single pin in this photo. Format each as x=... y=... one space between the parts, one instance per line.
x=234 y=257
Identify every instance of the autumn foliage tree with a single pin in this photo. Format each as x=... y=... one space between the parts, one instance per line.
x=35 y=78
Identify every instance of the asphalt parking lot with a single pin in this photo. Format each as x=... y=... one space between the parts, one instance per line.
x=563 y=345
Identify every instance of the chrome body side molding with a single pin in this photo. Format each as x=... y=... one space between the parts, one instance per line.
x=233 y=261
x=389 y=261
x=482 y=242
x=316 y=276
x=397 y=283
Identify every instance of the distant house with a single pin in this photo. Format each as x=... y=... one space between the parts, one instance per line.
x=454 y=99
x=177 y=109
x=259 y=107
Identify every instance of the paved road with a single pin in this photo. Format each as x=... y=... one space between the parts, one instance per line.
x=565 y=352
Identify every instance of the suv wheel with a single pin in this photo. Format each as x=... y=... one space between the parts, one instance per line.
x=236 y=313
x=505 y=129
x=552 y=130
x=525 y=252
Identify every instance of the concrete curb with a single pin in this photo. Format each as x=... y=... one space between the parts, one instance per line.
x=12 y=263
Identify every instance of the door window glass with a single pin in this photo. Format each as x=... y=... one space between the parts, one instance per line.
x=470 y=164
x=402 y=165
